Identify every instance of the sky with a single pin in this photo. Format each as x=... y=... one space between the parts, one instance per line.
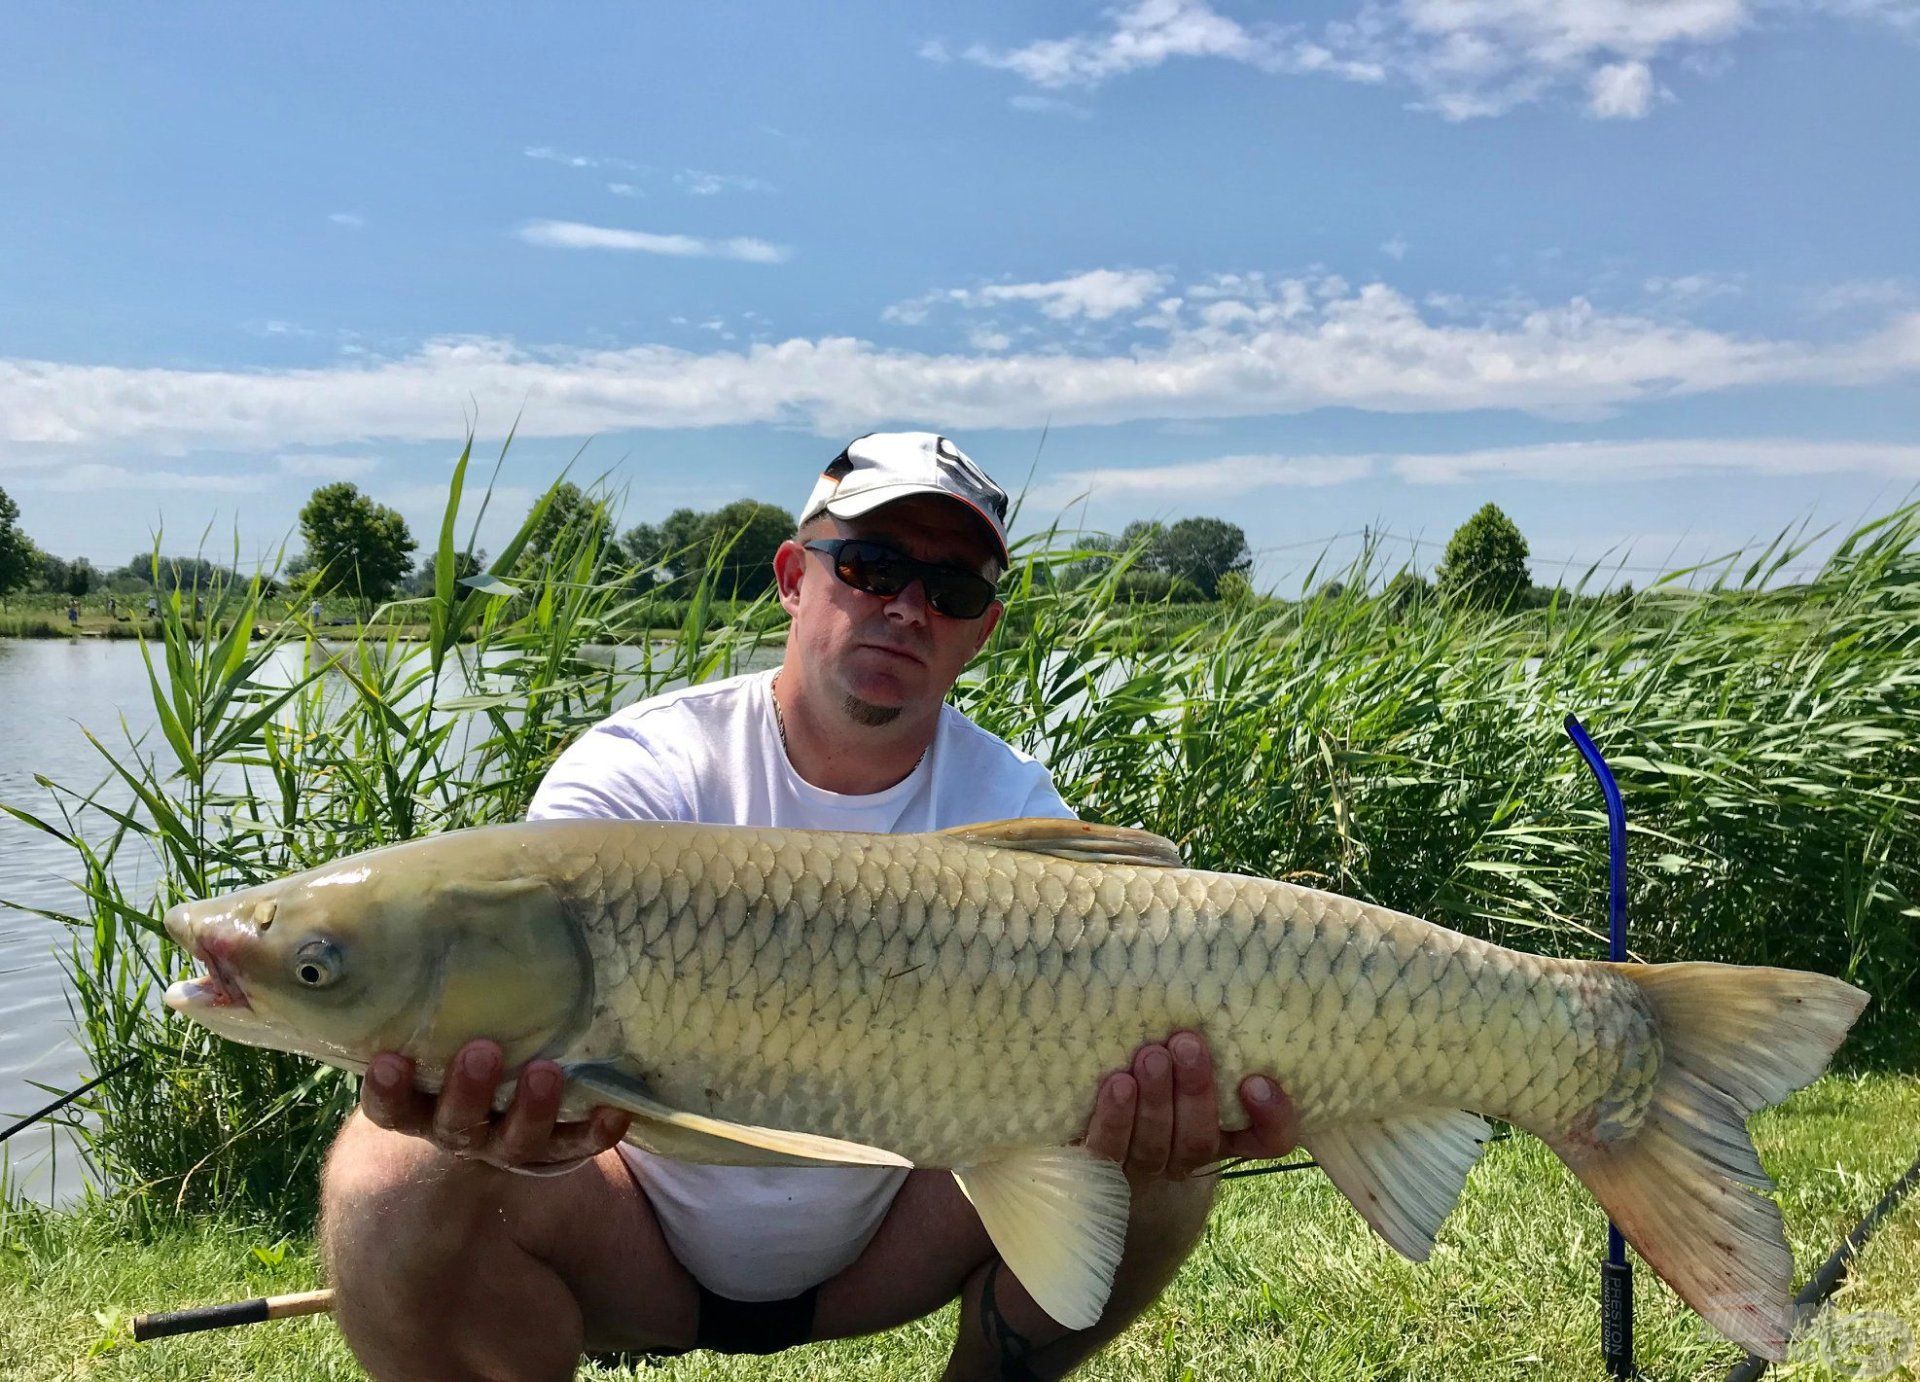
x=1645 y=273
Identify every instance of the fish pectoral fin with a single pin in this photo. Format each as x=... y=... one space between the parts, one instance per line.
x=1403 y=1173
x=698 y=1137
x=1070 y=839
x=1058 y=1218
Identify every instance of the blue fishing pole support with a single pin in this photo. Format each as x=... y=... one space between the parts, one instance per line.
x=1616 y=1275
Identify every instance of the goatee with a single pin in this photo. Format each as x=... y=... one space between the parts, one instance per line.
x=867 y=713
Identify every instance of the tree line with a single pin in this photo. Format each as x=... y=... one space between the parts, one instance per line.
x=355 y=546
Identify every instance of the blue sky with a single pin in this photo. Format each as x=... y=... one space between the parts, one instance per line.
x=1641 y=271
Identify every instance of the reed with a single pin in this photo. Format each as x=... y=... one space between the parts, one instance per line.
x=1413 y=757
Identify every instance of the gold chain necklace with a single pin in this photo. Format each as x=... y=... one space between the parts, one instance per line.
x=780 y=723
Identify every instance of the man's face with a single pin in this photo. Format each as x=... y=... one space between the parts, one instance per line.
x=886 y=654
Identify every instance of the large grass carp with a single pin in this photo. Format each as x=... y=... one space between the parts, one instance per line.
x=785 y=997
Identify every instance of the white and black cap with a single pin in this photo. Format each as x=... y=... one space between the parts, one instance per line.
x=884 y=466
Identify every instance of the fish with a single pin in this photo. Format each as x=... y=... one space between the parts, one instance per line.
x=953 y=999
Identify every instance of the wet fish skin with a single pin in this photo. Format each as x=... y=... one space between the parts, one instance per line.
x=943 y=999
x=953 y=999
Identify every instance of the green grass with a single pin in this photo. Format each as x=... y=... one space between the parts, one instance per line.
x=1287 y=1284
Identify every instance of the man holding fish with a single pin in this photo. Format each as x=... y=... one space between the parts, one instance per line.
x=446 y=1267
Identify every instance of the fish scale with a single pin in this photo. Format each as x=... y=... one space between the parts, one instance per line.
x=1122 y=953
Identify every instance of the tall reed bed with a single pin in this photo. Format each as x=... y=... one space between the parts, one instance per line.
x=1411 y=757
x=1767 y=741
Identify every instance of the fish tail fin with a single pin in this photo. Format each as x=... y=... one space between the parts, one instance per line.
x=1686 y=1187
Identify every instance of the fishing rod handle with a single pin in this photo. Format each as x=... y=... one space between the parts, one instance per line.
x=168 y=1322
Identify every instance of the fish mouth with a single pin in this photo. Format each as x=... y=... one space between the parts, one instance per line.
x=219 y=987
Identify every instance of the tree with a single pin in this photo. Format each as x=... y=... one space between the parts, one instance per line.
x=1234 y=589
x=465 y=564
x=79 y=578
x=19 y=558
x=1145 y=538
x=1486 y=562
x=357 y=546
x=755 y=531
x=741 y=538
x=1407 y=590
x=1200 y=551
x=176 y=573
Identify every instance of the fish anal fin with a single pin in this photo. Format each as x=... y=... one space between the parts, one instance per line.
x=1402 y=1173
x=1058 y=1218
x=1071 y=839
x=715 y=1141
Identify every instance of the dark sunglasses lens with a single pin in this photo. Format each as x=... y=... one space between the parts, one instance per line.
x=958 y=595
x=872 y=568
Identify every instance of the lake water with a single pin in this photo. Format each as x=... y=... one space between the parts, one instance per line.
x=49 y=691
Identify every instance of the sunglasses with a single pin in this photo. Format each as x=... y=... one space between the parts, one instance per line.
x=877 y=569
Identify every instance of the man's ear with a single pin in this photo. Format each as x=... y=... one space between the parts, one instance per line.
x=987 y=623
x=789 y=564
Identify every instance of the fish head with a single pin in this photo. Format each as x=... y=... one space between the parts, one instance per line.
x=406 y=949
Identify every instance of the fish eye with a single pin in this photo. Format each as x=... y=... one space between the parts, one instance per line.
x=316 y=964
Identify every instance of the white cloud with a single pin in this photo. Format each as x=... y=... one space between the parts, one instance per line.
x=1620 y=91
x=624 y=189
x=711 y=184
x=1236 y=477
x=350 y=219
x=1853 y=294
x=1607 y=462
x=91 y=477
x=1049 y=105
x=1396 y=248
x=550 y=155
x=1222 y=477
x=573 y=235
x=1297 y=345
x=1462 y=58
x=1695 y=287
x=325 y=467
x=1096 y=295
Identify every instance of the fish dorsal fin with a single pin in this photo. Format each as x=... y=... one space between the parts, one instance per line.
x=1058 y=1218
x=1070 y=839
x=1404 y=1173
x=715 y=1141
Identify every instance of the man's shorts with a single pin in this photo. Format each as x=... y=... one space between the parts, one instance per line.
x=736 y=1326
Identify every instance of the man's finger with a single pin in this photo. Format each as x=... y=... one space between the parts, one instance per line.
x=389 y=1099
x=572 y=1141
x=1196 y=1113
x=529 y=1125
x=1153 y=1115
x=1274 y=1124
x=462 y=1112
x=1111 y=1128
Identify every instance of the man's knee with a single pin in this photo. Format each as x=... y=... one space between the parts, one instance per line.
x=391 y=1205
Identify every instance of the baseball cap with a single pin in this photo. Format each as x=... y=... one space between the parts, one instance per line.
x=884 y=466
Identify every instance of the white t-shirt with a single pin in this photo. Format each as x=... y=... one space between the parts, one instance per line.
x=713 y=753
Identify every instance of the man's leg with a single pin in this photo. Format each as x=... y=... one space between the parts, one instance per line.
x=931 y=1246
x=444 y=1268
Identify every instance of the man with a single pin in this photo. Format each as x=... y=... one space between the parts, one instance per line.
x=446 y=1268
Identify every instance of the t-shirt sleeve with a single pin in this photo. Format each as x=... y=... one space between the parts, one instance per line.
x=610 y=773
x=1044 y=799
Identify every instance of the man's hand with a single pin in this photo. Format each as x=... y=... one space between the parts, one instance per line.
x=1159 y=1118
x=460 y=1120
